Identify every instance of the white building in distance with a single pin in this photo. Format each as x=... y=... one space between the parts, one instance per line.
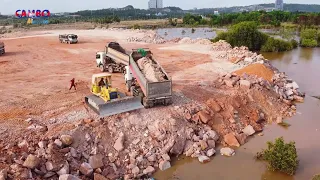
x=279 y=5
x=155 y=4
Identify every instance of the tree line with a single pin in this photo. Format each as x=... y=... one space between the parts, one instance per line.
x=273 y=18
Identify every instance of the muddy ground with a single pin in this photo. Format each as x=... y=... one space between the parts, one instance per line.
x=36 y=105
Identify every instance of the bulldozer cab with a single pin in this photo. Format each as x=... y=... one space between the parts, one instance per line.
x=101 y=86
x=106 y=100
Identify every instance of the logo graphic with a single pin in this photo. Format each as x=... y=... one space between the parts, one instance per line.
x=34 y=16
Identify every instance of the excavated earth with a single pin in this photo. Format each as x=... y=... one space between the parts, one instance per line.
x=47 y=131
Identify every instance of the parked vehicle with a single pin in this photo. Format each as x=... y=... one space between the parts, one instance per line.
x=68 y=38
x=2 y=50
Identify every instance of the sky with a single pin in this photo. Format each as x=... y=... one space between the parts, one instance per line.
x=54 y=6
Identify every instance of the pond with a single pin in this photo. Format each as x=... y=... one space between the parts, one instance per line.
x=302 y=65
x=171 y=33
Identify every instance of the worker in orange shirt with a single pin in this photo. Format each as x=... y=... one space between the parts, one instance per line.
x=72 y=84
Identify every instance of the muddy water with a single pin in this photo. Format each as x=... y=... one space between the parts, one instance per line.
x=303 y=65
x=171 y=33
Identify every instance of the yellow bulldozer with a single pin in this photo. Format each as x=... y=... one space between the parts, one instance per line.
x=107 y=100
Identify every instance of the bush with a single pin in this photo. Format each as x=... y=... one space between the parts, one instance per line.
x=294 y=43
x=276 y=45
x=280 y=156
x=244 y=34
x=309 y=34
x=309 y=43
x=136 y=26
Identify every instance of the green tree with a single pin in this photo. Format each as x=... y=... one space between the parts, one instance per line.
x=280 y=156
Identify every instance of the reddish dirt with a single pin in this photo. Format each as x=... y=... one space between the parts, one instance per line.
x=36 y=73
x=257 y=69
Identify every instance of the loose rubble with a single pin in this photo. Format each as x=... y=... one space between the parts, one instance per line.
x=151 y=70
x=149 y=37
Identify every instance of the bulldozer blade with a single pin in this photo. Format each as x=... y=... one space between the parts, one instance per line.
x=113 y=107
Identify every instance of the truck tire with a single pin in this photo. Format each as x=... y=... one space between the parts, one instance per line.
x=101 y=68
x=128 y=85
x=132 y=91
x=145 y=103
x=110 y=69
x=168 y=101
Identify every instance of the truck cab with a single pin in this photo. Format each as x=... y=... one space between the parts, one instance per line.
x=100 y=60
x=68 y=38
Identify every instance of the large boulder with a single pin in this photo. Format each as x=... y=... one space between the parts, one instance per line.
x=65 y=169
x=86 y=169
x=118 y=145
x=212 y=104
x=203 y=159
x=66 y=140
x=178 y=146
x=96 y=161
x=164 y=165
x=248 y=130
x=31 y=162
x=204 y=117
x=148 y=170
x=231 y=140
x=227 y=152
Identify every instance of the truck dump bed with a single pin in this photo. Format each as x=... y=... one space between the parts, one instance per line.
x=117 y=53
x=152 y=90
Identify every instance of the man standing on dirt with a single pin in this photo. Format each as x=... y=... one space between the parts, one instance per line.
x=72 y=84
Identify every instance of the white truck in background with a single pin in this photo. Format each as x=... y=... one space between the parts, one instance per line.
x=2 y=50
x=68 y=38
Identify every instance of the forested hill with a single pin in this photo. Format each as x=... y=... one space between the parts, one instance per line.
x=131 y=12
x=270 y=6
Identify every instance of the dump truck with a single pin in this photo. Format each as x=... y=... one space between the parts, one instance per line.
x=151 y=93
x=2 y=50
x=106 y=100
x=68 y=38
x=113 y=59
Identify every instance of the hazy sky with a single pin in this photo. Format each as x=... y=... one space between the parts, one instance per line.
x=10 y=6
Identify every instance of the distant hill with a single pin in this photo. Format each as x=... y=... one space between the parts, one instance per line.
x=257 y=7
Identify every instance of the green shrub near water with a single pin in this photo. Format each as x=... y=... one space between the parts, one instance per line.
x=276 y=45
x=309 y=38
x=244 y=34
x=309 y=43
x=280 y=156
x=247 y=34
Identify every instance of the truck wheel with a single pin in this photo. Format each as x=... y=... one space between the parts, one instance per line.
x=128 y=84
x=132 y=91
x=145 y=103
x=168 y=101
x=101 y=68
x=110 y=69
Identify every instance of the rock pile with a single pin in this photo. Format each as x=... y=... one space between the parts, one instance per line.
x=150 y=37
x=187 y=40
x=287 y=89
x=151 y=70
x=237 y=55
x=221 y=45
